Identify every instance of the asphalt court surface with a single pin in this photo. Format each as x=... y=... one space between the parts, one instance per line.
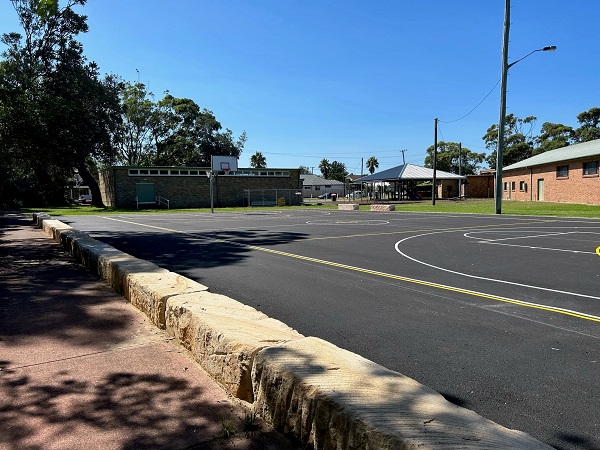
x=500 y=314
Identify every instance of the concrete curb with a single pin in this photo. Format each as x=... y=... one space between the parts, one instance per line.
x=324 y=396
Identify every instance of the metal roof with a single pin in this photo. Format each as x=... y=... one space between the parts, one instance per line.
x=409 y=172
x=568 y=153
x=314 y=180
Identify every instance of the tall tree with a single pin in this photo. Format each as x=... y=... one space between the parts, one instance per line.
x=258 y=161
x=448 y=158
x=372 y=164
x=57 y=113
x=136 y=134
x=173 y=132
x=518 y=140
x=325 y=167
x=589 y=129
x=553 y=136
x=304 y=170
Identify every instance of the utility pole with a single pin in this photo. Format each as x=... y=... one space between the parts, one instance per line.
x=403 y=160
x=459 y=168
x=500 y=149
x=434 y=181
x=362 y=163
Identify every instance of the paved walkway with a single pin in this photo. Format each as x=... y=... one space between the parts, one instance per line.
x=81 y=368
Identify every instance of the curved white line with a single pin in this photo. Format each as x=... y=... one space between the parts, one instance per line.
x=396 y=246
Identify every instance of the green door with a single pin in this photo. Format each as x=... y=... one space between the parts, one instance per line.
x=145 y=192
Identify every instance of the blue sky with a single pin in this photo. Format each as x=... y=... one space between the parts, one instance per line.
x=345 y=80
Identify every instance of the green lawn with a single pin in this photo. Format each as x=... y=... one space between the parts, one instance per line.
x=474 y=206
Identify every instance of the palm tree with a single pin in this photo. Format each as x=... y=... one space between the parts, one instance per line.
x=324 y=167
x=258 y=161
x=372 y=164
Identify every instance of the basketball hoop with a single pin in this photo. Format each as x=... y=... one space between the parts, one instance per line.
x=225 y=167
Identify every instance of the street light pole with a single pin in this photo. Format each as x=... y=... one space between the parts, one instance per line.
x=500 y=149
x=501 y=124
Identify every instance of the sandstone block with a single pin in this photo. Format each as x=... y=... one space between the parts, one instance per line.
x=347 y=206
x=330 y=398
x=383 y=207
x=52 y=227
x=149 y=291
x=223 y=335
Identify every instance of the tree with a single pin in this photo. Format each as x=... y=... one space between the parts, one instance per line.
x=138 y=128
x=57 y=114
x=304 y=170
x=553 y=136
x=518 y=140
x=590 y=125
x=325 y=167
x=337 y=171
x=258 y=161
x=448 y=158
x=173 y=132
x=372 y=164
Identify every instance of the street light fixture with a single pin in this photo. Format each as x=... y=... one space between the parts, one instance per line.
x=501 y=124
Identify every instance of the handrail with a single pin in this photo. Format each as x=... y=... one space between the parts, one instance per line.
x=163 y=201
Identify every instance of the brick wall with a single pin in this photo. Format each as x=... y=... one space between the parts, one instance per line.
x=119 y=188
x=575 y=188
x=479 y=186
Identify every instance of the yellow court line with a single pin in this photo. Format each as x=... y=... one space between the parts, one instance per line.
x=434 y=285
x=497 y=298
x=598 y=251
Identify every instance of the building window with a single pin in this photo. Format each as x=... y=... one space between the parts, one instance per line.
x=590 y=168
x=513 y=185
x=562 y=171
x=522 y=186
x=505 y=185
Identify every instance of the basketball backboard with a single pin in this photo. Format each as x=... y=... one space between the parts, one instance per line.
x=224 y=163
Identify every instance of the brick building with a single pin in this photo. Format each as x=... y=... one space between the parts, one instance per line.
x=568 y=174
x=189 y=187
x=480 y=185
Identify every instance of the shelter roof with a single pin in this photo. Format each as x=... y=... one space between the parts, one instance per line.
x=314 y=180
x=409 y=172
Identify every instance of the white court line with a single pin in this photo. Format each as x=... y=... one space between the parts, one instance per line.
x=483 y=241
x=468 y=235
x=512 y=283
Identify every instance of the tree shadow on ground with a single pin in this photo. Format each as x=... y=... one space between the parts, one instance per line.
x=182 y=251
x=120 y=410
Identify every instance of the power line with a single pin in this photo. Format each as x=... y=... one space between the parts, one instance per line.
x=476 y=106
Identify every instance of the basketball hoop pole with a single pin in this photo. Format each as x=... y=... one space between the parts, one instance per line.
x=210 y=174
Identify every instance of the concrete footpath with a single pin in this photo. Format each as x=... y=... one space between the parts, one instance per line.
x=81 y=367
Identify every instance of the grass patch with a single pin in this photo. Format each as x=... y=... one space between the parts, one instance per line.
x=486 y=206
x=473 y=206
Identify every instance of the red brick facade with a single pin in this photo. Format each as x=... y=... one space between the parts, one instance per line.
x=555 y=182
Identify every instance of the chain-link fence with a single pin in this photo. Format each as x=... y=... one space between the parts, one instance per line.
x=272 y=197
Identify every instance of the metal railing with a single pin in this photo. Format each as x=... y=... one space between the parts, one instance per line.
x=162 y=201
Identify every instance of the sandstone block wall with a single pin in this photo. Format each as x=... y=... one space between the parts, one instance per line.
x=326 y=397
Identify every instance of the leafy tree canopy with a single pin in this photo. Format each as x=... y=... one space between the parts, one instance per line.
x=448 y=158
x=518 y=139
x=57 y=113
x=590 y=125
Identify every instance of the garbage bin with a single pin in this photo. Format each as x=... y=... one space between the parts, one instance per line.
x=333 y=197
